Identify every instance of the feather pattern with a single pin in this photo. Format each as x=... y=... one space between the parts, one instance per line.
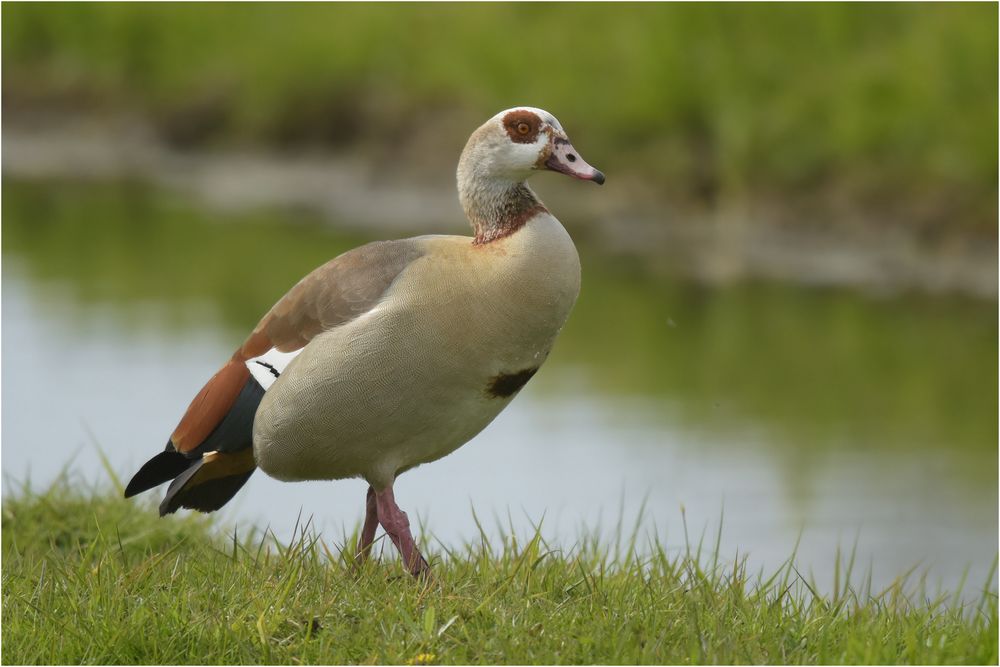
x=210 y=406
x=337 y=292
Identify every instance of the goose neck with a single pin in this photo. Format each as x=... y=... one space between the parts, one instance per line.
x=496 y=207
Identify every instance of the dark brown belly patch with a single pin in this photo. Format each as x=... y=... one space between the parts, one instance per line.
x=505 y=385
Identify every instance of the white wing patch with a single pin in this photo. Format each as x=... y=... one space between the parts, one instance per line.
x=267 y=367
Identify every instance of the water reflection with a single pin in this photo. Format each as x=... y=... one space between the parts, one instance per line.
x=798 y=409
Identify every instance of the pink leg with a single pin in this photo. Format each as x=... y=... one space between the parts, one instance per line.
x=397 y=526
x=368 y=530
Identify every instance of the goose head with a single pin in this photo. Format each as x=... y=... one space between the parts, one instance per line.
x=519 y=141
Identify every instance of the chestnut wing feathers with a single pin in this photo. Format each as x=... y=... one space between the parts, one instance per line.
x=337 y=292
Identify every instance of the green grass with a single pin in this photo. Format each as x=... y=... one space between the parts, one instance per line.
x=91 y=578
x=891 y=108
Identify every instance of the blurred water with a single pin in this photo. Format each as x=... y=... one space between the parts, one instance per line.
x=829 y=416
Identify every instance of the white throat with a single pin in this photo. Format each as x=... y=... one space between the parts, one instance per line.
x=496 y=205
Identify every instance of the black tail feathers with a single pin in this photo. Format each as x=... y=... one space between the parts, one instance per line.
x=206 y=477
x=161 y=468
x=204 y=487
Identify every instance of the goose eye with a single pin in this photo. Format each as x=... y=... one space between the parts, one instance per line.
x=523 y=128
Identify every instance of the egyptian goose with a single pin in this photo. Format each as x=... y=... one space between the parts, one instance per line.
x=395 y=353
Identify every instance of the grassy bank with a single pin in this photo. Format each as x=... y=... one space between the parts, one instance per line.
x=91 y=578
x=888 y=110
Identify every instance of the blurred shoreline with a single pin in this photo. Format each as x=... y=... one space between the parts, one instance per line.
x=359 y=189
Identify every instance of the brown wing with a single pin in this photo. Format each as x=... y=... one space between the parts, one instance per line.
x=337 y=292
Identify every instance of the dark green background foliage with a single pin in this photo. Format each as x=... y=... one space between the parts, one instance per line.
x=891 y=107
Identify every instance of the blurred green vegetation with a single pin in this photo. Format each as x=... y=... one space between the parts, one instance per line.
x=890 y=108
x=809 y=370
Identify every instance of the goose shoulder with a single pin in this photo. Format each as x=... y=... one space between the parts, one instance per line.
x=337 y=292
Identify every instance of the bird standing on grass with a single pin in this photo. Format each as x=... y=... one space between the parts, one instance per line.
x=395 y=353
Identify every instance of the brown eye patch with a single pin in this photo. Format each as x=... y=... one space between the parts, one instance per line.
x=522 y=126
